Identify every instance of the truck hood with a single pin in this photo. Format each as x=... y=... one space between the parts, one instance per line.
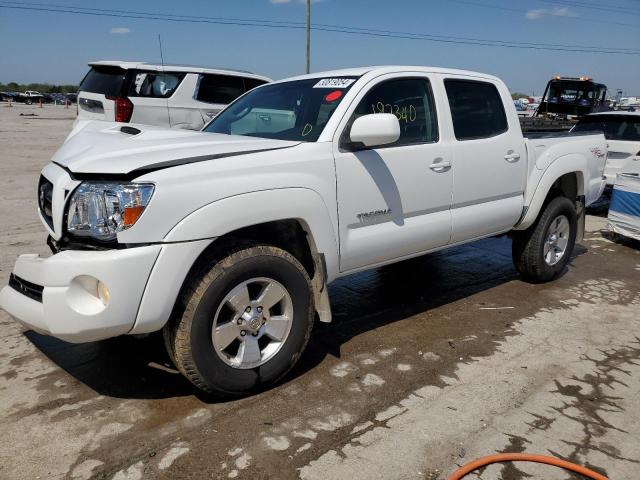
x=106 y=148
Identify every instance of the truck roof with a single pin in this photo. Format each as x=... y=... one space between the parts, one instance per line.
x=384 y=69
x=176 y=68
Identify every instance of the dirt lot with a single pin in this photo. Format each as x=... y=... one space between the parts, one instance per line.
x=428 y=364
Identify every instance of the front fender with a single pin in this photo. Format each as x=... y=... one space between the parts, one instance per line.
x=572 y=163
x=232 y=213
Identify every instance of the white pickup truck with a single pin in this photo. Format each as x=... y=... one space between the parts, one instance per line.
x=227 y=238
x=30 y=96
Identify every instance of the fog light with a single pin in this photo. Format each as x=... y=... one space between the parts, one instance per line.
x=103 y=293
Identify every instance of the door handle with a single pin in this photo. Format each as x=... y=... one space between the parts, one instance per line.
x=439 y=165
x=512 y=157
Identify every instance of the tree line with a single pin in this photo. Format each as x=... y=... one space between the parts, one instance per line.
x=38 y=87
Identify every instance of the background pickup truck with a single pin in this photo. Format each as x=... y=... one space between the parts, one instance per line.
x=226 y=239
x=30 y=96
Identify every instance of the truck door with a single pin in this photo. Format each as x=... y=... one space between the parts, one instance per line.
x=393 y=201
x=489 y=159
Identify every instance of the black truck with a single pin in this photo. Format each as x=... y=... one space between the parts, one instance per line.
x=564 y=101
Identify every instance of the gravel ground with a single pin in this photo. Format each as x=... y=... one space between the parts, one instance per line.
x=429 y=364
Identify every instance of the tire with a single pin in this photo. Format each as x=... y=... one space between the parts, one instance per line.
x=212 y=299
x=530 y=247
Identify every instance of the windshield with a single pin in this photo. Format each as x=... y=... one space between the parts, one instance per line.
x=614 y=127
x=296 y=110
x=582 y=93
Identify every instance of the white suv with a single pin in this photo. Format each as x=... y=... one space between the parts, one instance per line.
x=170 y=95
x=622 y=131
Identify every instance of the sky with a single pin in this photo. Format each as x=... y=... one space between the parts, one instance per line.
x=51 y=47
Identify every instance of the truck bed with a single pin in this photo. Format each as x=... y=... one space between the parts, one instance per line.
x=562 y=134
x=543 y=124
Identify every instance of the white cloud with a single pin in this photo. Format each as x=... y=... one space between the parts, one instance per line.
x=120 y=30
x=539 y=13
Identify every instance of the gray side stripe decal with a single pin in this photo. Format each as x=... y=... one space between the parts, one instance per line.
x=417 y=213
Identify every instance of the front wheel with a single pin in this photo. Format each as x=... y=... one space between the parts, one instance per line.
x=243 y=322
x=542 y=251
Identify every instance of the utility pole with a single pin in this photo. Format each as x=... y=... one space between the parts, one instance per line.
x=308 y=36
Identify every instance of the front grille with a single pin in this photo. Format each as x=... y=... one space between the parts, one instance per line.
x=45 y=200
x=29 y=289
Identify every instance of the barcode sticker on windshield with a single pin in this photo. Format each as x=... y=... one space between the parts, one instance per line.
x=334 y=83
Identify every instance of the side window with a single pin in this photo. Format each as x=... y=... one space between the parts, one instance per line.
x=476 y=109
x=155 y=84
x=251 y=83
x=220 y=88
x=409 y=99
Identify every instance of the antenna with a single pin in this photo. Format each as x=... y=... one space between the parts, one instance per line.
x=162 y=63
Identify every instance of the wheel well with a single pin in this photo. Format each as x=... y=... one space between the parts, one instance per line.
x=289 y=235
x=565 y=186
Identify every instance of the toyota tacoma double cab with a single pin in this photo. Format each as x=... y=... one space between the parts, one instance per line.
x=226 y=239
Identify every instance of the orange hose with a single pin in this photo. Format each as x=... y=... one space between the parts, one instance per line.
x=524 y=457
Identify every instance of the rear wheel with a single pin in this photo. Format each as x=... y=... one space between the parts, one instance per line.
x=541 y=252
x=243 y=322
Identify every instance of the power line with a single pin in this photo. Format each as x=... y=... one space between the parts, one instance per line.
x=331 y=26
x=566 y=17
x=510 y=42
x=573 y=3
x=194 y=17
x=325 y=28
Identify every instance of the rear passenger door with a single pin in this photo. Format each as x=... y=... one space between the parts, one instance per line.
x=489 y=159
x=149 y=92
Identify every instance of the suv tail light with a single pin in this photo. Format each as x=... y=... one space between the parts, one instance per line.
x=124 y=108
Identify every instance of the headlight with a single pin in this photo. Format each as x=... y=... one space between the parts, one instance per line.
x=102 y=209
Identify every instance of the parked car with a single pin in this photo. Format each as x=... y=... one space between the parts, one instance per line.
x=30 y=96
x=6 y=96
x=622 y=131
x=59 y=98
x=226 y=239
x=520 y=106
x=170 y=95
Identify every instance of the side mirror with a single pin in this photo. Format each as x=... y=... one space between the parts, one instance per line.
x=375 y=129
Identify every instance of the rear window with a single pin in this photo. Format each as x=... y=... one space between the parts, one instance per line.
x=224 y=89
x=476 y=109
x=105 y=80
x=567 y=91
x=155 y=84
x=251 y=83
x=614 y=127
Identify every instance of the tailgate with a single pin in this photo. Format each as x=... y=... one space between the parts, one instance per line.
x=99 y=84
x=623 y=158
x=95 y=106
